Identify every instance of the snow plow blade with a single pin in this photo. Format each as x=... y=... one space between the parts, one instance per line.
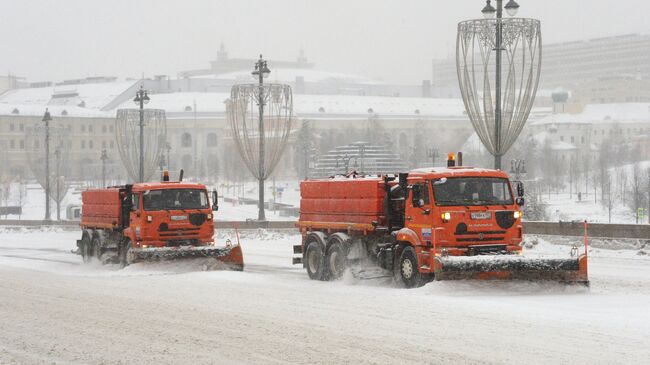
x=231 y=256
x=512 y=268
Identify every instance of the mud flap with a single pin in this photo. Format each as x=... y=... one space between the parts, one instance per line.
x=230 y=256
x=511 y=268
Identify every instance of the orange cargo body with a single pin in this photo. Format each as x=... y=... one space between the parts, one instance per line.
x=101 y=208
x=347 y=200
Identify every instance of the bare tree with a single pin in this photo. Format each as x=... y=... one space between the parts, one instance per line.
x=648 y=195
x=573 y=173
x=608 y=199
x=304 y=148
x=5 y=191
x=586 y=166
x=22 y=195
x=547 y=166
x=637 y=192
x=604 y=160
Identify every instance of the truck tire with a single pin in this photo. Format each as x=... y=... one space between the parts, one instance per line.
x=336 y=259
x=124 y=254
x=314 y=260
x=408 y=274
x=86 y=249
x=97 y=248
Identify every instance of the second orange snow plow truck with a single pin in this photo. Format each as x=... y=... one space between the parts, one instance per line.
x=429 y=224
x=151 y=221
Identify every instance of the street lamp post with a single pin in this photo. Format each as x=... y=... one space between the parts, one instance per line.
x=104 y=157
x=196 y=143
x=57 y=154
x=517 y=168
x=498 y=61
x=488 y=11
x=141 y=98
x=433 y=153
x=308 y=155
x=47 y=118
x=261 y=71
x=168 y=147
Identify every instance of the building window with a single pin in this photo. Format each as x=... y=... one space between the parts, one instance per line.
x=22 y=127
x=83 y=127
x=562 y=138
x=582 y=139
x=112 y=144
x=22 y=144
x=83 y=144
x=211 y=140
x=11 y=127
x=572 y=139
x=90 y=128
x=90 y=144
x=12 y=144
x=110 y=128
x=104 y=129
x=186 y=140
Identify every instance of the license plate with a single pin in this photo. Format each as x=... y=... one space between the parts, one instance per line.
x=481 y=215
x=179 y=217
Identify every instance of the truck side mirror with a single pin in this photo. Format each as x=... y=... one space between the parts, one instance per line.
x=215 y=203
x=520 y=189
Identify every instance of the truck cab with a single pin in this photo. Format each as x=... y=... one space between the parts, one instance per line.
x=463 y=211
x=169 y=214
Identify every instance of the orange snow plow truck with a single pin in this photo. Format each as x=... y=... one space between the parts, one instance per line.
x=152 y=221
x=429 y=224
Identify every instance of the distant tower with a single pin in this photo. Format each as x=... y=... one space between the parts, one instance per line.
x=302 y=59
x=222 y=54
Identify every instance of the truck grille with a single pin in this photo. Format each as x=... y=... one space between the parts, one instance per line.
x=480 y=239
x=178 y=235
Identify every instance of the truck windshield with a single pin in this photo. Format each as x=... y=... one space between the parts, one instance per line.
x=175 y=199
x=472 y=191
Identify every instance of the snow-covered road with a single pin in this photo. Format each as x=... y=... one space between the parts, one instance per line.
x=53 y=309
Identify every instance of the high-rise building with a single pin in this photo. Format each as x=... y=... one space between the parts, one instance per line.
x=570 y=64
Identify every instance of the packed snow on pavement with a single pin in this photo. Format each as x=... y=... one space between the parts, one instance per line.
x=54 y=309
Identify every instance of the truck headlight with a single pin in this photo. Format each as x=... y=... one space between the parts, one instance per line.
x=517 y=214
x=209 y=216
x=446 y=216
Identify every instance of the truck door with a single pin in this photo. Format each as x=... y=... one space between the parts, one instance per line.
x=419 y=207
x=136 y=209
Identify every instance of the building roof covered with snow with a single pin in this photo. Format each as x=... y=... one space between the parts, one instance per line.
x=601 y=113
x=94 y=96
x=286 y=75
x=182 y=104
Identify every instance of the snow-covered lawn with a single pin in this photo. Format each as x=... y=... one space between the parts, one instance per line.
x=53 y=309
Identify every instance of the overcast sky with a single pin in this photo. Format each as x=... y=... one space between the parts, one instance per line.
x=388 y=40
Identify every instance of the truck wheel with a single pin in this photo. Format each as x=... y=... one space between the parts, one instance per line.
x=314 y=261
x=85 y=248
x=336 y=260
x=97 y=249
x=124 y=254
x=408 y=273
